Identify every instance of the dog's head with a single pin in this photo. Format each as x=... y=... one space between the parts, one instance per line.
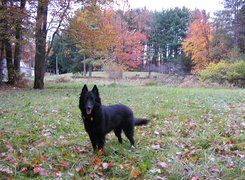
x=89 y=100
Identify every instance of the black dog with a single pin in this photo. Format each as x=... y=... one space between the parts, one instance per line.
x=100 y=120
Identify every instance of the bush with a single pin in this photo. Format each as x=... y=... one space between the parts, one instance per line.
x=23 y=83
x=62 y=79
x=225 y=72
x=114 y=70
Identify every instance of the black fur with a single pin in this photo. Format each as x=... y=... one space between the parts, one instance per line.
x=100 y=120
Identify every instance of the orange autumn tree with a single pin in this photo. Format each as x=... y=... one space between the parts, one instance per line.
x=93 y=31
x=197 y=43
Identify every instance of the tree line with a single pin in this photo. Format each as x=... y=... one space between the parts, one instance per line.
x=146 y=40
x=135 y=39
x=24 y=26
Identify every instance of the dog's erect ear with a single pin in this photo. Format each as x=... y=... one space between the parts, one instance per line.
x=95 y=90
x=85 y=89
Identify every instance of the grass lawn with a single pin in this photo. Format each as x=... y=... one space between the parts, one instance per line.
x=193 y=133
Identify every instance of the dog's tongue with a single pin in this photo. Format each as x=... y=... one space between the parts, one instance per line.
x=88 y=111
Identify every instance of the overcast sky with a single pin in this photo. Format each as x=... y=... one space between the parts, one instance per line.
x=208 y=5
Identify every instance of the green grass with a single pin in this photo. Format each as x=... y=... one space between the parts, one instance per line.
x=194 y=132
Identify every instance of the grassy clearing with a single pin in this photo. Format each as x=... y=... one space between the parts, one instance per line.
x=193 y=133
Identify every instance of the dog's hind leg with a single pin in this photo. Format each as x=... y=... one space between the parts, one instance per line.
x=129 y=132
x=118 y=132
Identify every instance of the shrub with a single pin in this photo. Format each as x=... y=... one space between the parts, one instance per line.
x=114 y=70
x=225 y=72
x=23 y=83
x=62 y=79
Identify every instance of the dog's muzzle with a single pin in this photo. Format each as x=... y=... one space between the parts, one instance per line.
x=88 y=111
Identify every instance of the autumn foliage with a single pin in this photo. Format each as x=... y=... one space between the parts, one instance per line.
x=103 y=32
x=130 y=48
x=92 y=30
x=197 y=43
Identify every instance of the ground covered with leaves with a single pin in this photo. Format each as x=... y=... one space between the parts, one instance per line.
x=194 y=133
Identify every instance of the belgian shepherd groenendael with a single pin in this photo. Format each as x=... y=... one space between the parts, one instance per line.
x=100 y=120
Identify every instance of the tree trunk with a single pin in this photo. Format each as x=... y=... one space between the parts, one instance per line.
x=84 y=66
x=18 y=44
x=2 y=46
x=7 y=45
x=90 y=70
x=9 y=59
x=1 y=63
x=40 y=36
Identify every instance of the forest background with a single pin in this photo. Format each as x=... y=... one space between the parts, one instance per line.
x=97 y=37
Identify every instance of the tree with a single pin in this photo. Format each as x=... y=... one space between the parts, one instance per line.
x=197 y=43
x=231 y=21
x=93 y=32
x=241 y=29
x=5 y=38
x=59 y=13
x=232 y=8
x=42 y=29
x=12 y=15
x=133 y=27
x=168 y=29
x=221 y=45
x=40 y=41
x=64 y=50
x=19 y=38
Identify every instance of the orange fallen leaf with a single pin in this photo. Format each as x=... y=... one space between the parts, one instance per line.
x=134 y=173
x=97 y=161
x=80 y=170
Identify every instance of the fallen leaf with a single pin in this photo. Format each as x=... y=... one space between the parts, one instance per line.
x=7 y=123
x=91 y=175
x=213 y=169
x=155 y=170
x=42 y=158
x=155 y=146
x=163 y=165
x=192 y=124
x=195 y=178
x=79 y=150
x=41 y=171
x=5 y=169
x=9 y=146
x=157 y=133
x=97 y=161
x=101 y=152
x=80 y=170
x=64 y=165
x=134 y=173
x=243 y=124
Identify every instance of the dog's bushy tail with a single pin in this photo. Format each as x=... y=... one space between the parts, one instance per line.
x=141 y=121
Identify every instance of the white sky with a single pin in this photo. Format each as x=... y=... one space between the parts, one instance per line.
x=208 y=5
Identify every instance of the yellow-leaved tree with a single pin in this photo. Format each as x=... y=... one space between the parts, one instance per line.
x=197 y=43
x=93 y=31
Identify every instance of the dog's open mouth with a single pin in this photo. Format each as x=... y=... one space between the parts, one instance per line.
x=88 y=111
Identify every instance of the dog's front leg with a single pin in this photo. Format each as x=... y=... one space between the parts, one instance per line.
x=93 y=141
x=101 y=141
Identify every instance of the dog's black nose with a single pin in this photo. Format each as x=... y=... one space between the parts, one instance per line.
x=88 y=110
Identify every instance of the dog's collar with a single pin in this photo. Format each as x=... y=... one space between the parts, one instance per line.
x=88 y=117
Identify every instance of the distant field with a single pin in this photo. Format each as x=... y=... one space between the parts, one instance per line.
x=101 y=74
x=193 y=133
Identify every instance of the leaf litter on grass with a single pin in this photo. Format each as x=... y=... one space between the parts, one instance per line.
x=193 y=134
